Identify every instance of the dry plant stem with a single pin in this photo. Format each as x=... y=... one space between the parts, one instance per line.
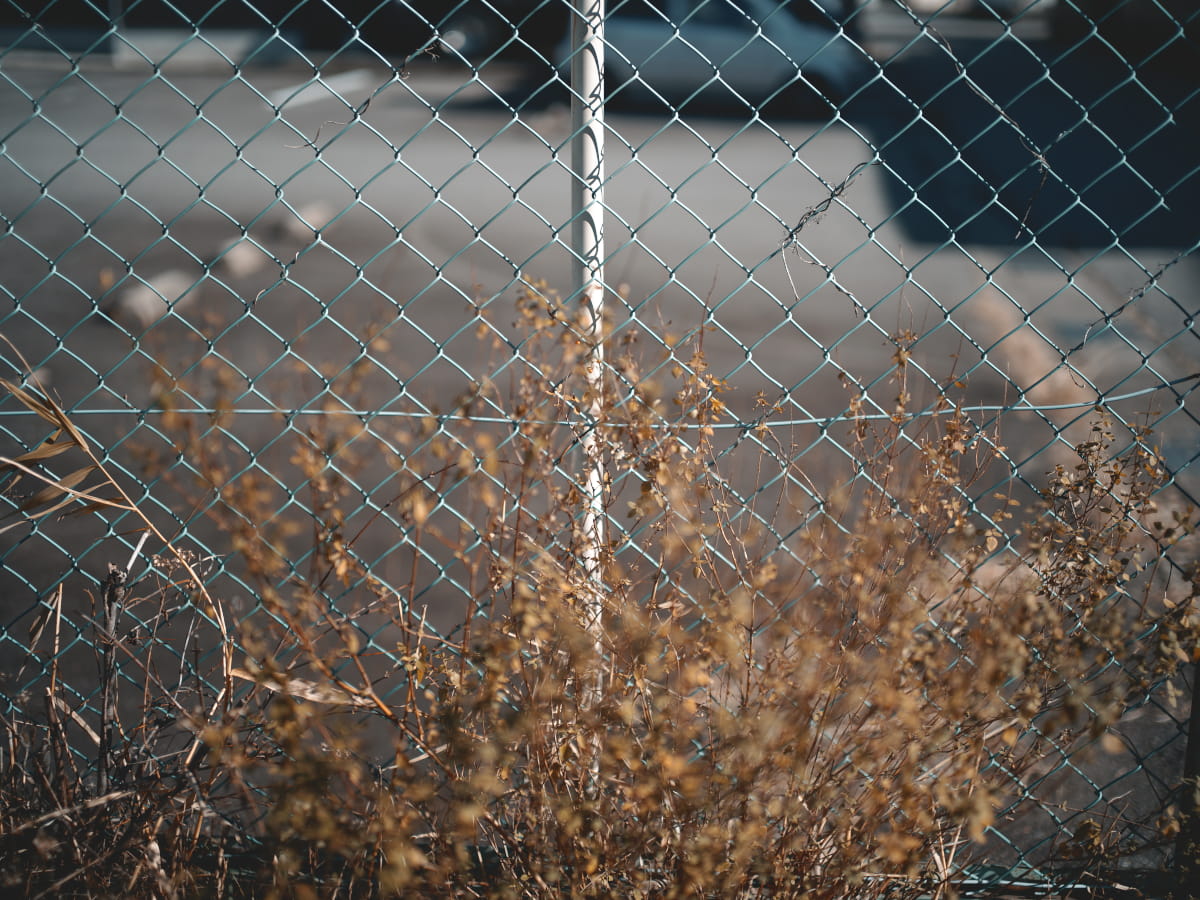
x=1187 y=848
x=66 y=812
x=832 y=714
x=51 y=412
x=112 y=602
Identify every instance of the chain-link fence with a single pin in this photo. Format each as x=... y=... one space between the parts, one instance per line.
x=257 y=226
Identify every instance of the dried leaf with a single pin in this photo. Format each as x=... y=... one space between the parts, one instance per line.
x=32 y=401
x=49 y=410
x=42 y=619
x=47 y=449
x=76 y=718
x=54 y=490
x=1111 y=743
x=306 y=690
x=97 y=504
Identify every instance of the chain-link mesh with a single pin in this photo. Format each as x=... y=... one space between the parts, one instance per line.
x=255 y=223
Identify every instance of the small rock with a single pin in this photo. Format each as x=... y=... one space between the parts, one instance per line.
x=145 y=302
x=240 y=259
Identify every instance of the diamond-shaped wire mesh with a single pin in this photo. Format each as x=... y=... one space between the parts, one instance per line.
x=261 y=221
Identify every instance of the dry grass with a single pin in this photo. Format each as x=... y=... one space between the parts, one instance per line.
x=827 y=692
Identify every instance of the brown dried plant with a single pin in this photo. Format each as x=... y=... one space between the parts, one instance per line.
x=831 y=692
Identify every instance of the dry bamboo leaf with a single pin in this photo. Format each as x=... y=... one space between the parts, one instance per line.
x=76 y=718
x=64 y=422
x=42 y=619
x=307 y=690
x=97 y=504
x=33 y=402
x=54 y=489
x=50 y=411
x=47 y=449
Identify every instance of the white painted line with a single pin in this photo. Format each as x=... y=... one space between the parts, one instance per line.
x=343 y=83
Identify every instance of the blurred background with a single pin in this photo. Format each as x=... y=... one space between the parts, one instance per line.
x=241 y=204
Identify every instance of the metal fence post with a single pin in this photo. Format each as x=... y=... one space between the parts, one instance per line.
x=587 y=244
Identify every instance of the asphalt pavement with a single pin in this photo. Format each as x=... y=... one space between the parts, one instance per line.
x=990 y=191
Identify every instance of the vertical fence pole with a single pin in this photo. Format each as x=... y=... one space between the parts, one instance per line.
x=587 y=245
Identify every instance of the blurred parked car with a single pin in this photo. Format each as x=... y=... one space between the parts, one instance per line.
x=1134 y=27
x=471 y=29
x=753 y=49
x=1128 y=25
x=512 y=28
x=998 y=9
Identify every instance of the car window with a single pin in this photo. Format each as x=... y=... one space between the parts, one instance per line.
x=814 y=12
x=718 y=12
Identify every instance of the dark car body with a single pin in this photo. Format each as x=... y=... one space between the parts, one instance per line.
x=1136 y=28
x=473 y=29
